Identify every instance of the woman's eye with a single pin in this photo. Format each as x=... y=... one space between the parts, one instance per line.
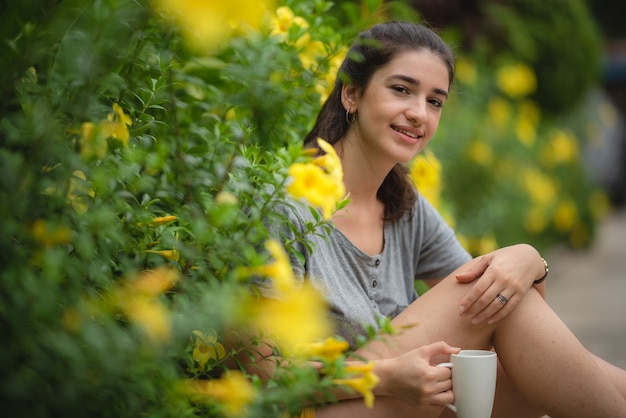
x=401 y=89
x=436 y=102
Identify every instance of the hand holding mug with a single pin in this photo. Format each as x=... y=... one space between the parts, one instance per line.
x=473 y=382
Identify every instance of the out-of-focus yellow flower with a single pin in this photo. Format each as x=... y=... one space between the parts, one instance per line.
x=365 y=381
x=319 y=182
x=499 y=111
x=226 y=198
x=529 y=110
x=233 y=392
x=155 y=282
x=528 y=119
x=516 y=80
x=160 y=220
x=329 y=350
x=565 y=216
x=50 y=235
x=465 y=71
x=92 y=141
x=539 y=187
x=327 y=81
x=525 y=131
x=295 y=320
x=479 y=152
x=330 y=161
x=207 y=25
x=172 y=254
x=483 y=245
x=562 y=148
x=207 y=347
x=279 y=270
x=299 y=314
x=138 y=301
x=312 y=51
x=116 y=125
x=150 y=315
x=283 y=20
x=79 y=191
x=425 y=172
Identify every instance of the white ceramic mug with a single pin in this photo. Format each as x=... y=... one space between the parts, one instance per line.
x=473 y=382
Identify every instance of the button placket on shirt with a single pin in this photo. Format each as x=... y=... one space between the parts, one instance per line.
x=376 y=265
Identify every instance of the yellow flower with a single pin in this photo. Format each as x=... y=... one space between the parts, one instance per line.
x=312 y=51
x=516 y=80
x=116 y=125
x=207 y=347
x=172 y=254
x=155 y=282
x=298 y=315
x=150 y=315
x=50 y=235
x=233 y=392
x=565 y=216
x=363 y=383
x=426 y=175
x=539 y=187
x=480 y=152
x=295 y=320
x=161 y=220
x=92 y=141
x=225 y=198
x=562 y=148
x=79 y=191
x=499 y=111
x=284 y=20
x=330 y=349
x=330 y=161
x=319 y=182
x=207 y=25
x=465 y=71
x=138 y=301
x=327 y=80
x=279 y=270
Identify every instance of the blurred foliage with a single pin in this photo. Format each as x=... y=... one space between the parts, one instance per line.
x=138 y=174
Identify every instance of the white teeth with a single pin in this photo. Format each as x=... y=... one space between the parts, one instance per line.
x=411 y=134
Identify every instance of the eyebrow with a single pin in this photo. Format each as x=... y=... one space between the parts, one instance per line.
x=415 y=82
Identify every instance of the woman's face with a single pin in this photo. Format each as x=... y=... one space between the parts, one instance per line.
x=399 y=110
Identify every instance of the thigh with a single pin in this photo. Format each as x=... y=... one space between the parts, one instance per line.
x=384 y=406
x=433 y=317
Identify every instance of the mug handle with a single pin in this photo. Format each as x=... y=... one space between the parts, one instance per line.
x=449 y=366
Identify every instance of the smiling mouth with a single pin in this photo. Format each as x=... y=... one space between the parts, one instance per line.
x=407 y=133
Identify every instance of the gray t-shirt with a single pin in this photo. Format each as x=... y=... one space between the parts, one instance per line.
x=358 y=287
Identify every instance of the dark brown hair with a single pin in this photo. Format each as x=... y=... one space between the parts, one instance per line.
x=373 y=49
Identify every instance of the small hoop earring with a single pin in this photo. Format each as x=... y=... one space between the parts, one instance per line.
x=350 y=117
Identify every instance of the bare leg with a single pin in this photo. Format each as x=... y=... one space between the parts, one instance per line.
x=383 y=407
x=542 y=358
x=544 y=361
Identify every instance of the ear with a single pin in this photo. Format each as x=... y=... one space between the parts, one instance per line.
x=349 y=98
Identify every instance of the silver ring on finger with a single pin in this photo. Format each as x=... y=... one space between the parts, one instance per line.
x=501 y=298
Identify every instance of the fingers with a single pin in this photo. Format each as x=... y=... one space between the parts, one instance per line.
x=474 y=272
x=438 y=348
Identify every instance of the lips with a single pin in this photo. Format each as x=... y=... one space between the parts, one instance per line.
x=412 y=133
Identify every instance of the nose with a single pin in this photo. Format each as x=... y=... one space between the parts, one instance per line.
x=416 y=112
